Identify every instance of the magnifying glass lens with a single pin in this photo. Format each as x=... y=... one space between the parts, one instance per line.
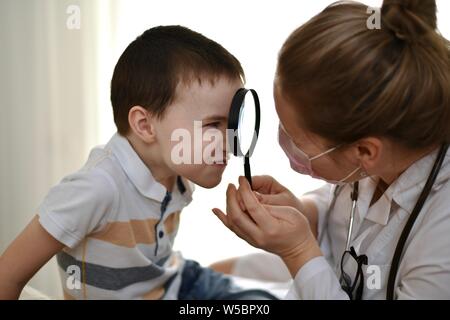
x=243 y=126
x=246 y=127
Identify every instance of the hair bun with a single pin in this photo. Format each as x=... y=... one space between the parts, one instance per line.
x=409 y=19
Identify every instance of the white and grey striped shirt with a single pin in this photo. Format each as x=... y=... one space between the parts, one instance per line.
x=118 y=224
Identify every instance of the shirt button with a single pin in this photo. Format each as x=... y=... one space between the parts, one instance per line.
x=161 y=233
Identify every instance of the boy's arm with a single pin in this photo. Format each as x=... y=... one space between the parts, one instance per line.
x=24 y=257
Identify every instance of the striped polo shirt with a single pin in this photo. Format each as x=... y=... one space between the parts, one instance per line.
x=118 y=226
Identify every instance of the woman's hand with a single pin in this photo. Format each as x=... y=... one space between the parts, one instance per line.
x=270 y=191
x=282 y=230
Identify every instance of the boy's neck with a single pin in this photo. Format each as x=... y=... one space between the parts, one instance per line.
x=151 y=158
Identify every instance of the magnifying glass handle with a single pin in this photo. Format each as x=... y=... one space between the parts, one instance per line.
x=247 y=171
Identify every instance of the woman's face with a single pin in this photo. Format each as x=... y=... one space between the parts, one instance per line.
x=333 y=166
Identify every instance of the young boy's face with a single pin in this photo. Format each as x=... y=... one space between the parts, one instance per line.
x=192 y=133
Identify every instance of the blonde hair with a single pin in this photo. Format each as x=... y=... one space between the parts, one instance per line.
x=349 y=82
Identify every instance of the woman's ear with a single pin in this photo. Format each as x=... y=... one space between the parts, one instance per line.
x=369 y=153
x=141 y=123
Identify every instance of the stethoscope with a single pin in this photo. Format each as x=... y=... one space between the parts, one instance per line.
x=409 y=224
x=354 y=198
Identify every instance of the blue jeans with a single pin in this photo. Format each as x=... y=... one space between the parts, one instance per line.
x=199 y=283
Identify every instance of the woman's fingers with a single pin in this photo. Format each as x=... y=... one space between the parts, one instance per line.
x=234 y=227
x=287 y=215
x=266 y=184
x=222 y=216
x=252 y=205
x=278 y=229
x=282 y=212
x=271 y=199
x=238 y=217
x=262 y=184
x=240 y=202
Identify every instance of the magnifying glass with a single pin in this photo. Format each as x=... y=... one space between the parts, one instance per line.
x=243 y=126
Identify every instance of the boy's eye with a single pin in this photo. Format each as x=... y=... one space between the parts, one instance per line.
x=212 y=124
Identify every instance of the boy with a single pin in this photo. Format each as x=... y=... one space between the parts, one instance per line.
x=112 y=224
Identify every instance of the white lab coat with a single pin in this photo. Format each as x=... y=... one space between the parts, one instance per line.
x=424 y=270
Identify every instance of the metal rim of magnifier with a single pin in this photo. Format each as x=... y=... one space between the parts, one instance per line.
x=233 y=121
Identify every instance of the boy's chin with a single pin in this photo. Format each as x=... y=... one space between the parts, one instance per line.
x=204 y=176
x=208 y=182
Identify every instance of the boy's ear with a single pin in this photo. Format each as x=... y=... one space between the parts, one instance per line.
x=141 y=123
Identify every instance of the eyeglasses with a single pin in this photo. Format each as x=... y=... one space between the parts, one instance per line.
x=351 y=258
x=354 y=263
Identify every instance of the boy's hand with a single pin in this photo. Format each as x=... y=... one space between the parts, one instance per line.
x=281 y=230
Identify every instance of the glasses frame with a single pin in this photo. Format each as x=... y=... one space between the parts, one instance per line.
x=346 y=282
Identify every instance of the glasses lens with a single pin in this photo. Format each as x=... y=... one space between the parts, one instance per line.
x=349 y=272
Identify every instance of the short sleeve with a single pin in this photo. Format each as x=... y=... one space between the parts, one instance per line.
x=77 y=205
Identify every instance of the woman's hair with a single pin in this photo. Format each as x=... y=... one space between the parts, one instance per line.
x=349 y=81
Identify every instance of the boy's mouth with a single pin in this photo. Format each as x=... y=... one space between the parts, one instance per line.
x=223 y=161
x=220 y=163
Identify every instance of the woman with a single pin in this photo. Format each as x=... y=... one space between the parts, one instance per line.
x=367 y=110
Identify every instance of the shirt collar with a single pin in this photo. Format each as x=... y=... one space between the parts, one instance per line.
x=409 y=185
x=139 y=174
x=405 y=190
x=379 y=212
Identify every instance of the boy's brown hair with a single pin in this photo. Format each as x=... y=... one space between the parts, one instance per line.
x=349 y=82
x=151 y=67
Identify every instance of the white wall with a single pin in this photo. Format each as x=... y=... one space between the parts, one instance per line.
x=48 y=108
